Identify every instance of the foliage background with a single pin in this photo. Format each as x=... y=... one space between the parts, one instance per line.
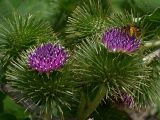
x=57 y=12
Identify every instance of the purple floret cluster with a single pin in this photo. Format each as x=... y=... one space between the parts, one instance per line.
x=127 y=100
x=47 y=57
x=116 y=40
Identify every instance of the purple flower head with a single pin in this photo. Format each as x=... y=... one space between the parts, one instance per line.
x=123 y=99
x=127 y=100
x=117 y=39
x=47 y=57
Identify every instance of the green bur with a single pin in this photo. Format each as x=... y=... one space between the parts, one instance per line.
x=102 y=73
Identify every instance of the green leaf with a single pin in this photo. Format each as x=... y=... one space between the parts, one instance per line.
x=2 y=96
x=38 y=8
x=7 y=116
x=12 y=108
x=153 y=23
x=61 y=9
x=141 y=7
x=148 y=6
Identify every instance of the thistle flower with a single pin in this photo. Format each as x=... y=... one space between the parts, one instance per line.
x=127 y=100
x=47 y=57
x=119 y=39
x=124 y=100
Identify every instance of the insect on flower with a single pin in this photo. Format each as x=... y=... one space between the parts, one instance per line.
x=122 y=39
x=132 y=30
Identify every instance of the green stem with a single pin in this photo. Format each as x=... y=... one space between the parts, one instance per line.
x=47 y=116
x=92 y=105
x=48 y=113
x=82 y=105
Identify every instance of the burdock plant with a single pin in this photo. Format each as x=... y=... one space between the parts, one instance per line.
x=39 y=75
x=107 y=63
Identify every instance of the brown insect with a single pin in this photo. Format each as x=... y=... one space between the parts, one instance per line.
x=132 y=30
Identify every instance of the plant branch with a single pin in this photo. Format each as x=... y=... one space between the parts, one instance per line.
x=82 y=105
x=150 y=57
x=7 y=89
x=15 y=95
x=148 y=113
x=92 y=105
x=153 y=43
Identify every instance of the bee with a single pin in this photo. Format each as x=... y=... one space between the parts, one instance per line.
x=132 y=30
